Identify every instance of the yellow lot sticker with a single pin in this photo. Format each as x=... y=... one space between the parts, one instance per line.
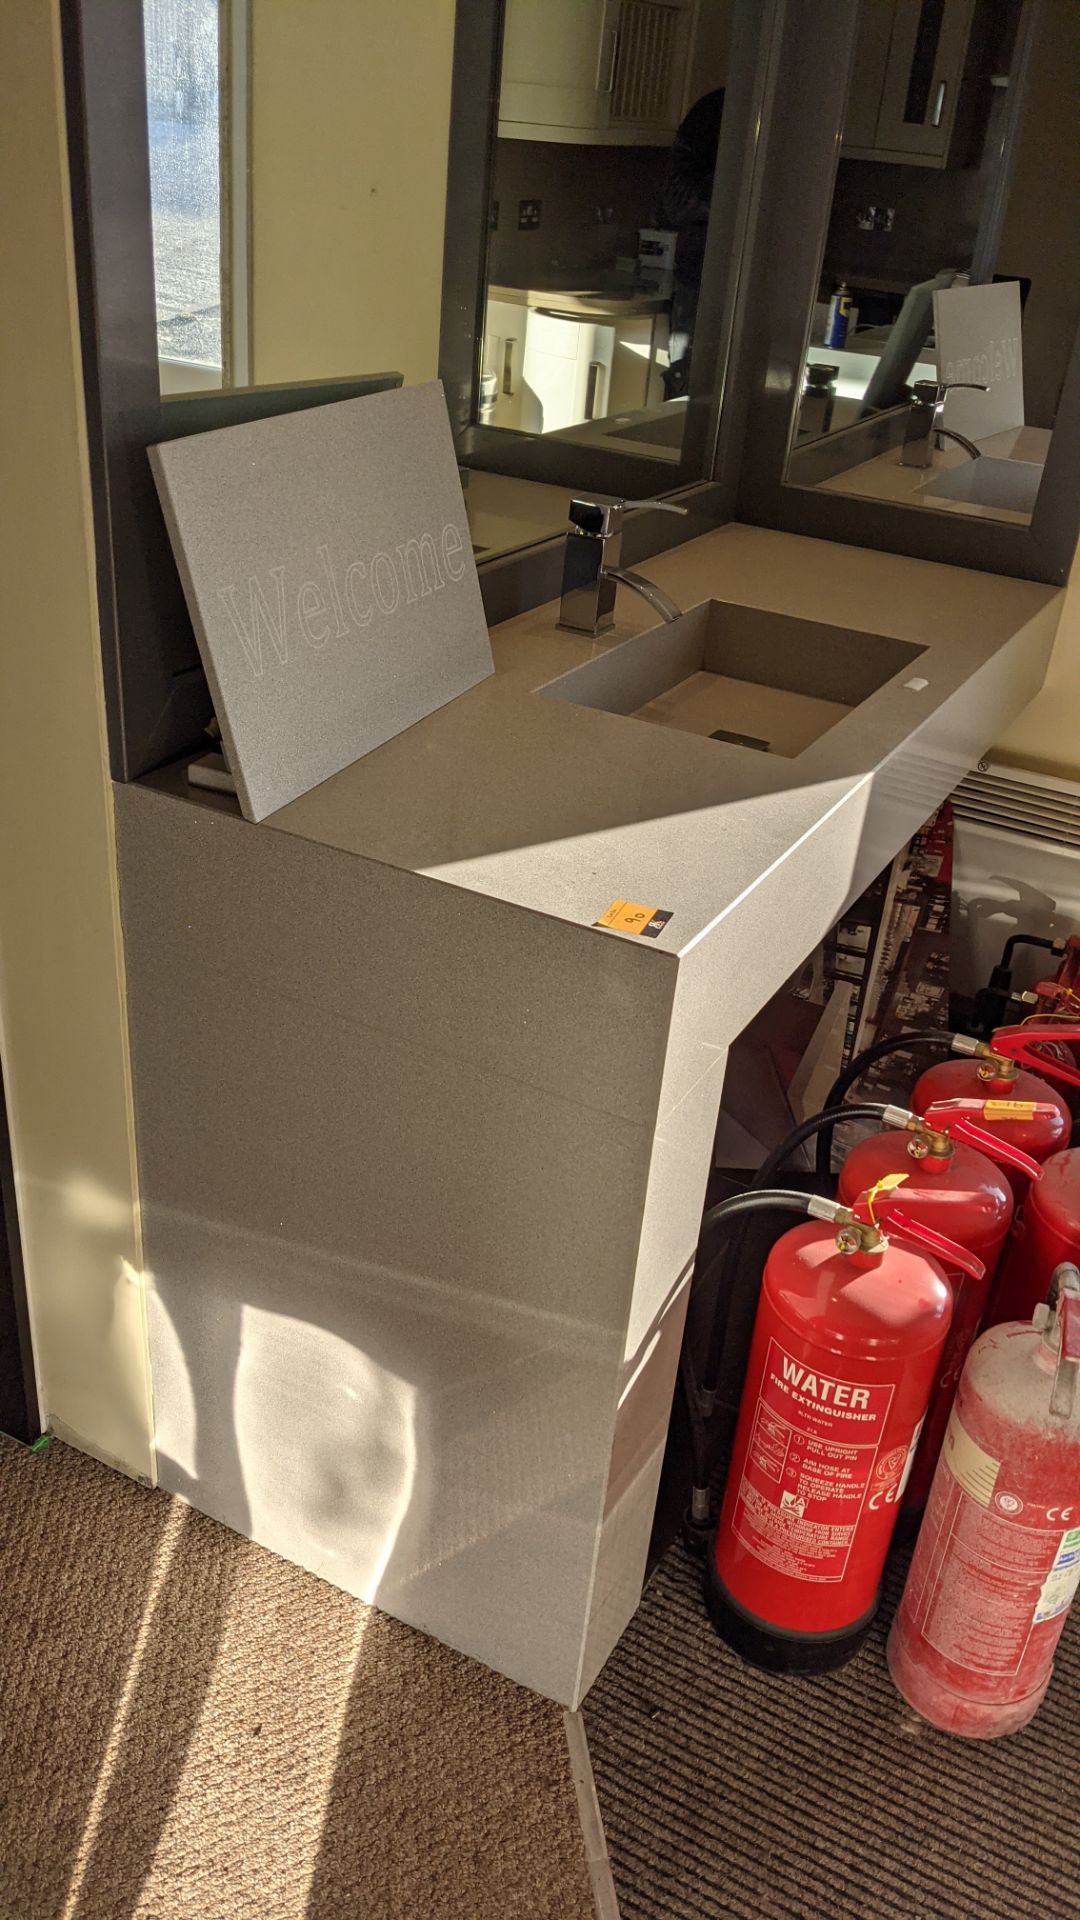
x=629 y=916
x=1009 y=1110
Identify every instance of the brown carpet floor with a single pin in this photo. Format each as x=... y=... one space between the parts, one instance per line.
x=730 y=1794
x=191 y=1729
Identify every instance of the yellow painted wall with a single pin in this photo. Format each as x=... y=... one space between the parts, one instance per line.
x=1040 y=239
x=62 y=1028
x=350 y=117
x=1046 y=737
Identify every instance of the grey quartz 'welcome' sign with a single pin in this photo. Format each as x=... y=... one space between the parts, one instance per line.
x=329 y=575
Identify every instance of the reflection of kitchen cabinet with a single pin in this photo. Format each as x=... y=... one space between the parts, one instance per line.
x=567 y=370
x=598 y=72
x=554 y=367
x=504 y=356
x=551 y=370
x=905 y=80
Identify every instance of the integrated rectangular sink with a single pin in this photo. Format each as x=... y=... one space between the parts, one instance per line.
x=1009 y=485
x=665 y=431
x=767 y=681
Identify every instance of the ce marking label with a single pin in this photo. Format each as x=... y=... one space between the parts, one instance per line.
x=1061 y=1514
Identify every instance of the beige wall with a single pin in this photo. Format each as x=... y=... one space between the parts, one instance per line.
x=1046 y=737
x=61 y=1017
x=1040 y=239
x=350 y=115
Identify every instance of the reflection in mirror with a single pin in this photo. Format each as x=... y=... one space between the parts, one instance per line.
x=298 y=162
x=950 y=279
x=607 y=138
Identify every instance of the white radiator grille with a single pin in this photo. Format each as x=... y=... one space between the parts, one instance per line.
x=1021 y=803
x=648 y=31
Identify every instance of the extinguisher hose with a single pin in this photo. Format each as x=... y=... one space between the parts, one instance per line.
x=790 y=1200
x=896 y=1043
x=829 y=1117
x=697 y=1410
x=765 y=1174
x=732 y=1251
x=1025 y=940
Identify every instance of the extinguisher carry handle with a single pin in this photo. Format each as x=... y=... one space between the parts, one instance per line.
x=1069 y=1317
x=995 y=1147
x=904 y=1227
x=1020 y=1044
x=953 y=1117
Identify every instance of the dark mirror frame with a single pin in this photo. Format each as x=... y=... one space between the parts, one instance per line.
x=816 y=47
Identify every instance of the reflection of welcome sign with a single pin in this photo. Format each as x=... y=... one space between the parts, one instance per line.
x=328 y=570
x=977 y=330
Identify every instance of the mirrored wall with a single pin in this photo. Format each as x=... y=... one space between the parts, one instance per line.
x=604 y=177
x=949 y=290
x=299 y=185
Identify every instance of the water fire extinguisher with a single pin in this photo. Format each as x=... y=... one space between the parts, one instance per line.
x=1045 y=1235
x=1015 y=1100
x=850 y=1326
x=953 y=1185
x=998 y=1559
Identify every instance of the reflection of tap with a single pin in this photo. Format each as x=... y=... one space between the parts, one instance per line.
x=591 y=567
x=924 y=428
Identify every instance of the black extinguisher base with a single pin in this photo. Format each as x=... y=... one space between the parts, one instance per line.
x=773 y=1648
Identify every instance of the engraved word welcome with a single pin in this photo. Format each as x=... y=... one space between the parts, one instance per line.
x=333 y=603
x=998 y=360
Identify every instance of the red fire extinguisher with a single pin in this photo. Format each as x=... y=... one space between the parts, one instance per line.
x=994 y=1075
x=952 y=1185
x=848 y=1337
x=1046 y=1234
x=998 y=1559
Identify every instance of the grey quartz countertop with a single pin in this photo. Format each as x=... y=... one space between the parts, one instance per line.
x=617 y=301
x=883 y=477
x=562 y=809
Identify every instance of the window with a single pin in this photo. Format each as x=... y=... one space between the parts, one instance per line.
x=188 y=187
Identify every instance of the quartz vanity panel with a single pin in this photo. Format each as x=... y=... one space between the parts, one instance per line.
x=390 y=1257
x=656 y=1311
x=328 y=570
x=422 y=1150
x=562 y=809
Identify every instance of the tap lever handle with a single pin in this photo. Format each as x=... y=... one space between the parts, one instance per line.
x=932 y=393
x=603 y=517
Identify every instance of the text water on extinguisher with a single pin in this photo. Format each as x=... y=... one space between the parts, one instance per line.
x=812 y=1467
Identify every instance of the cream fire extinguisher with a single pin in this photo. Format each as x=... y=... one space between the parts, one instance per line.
x=998 y=1558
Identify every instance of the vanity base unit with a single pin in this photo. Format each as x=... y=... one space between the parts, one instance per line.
x=422 y=1148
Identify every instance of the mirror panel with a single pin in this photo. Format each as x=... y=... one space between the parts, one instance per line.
x=604 y=171
x=946 y=261
x=299 y=192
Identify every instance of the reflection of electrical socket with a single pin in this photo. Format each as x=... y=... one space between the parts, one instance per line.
x=528 y=215
x=875 y=219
